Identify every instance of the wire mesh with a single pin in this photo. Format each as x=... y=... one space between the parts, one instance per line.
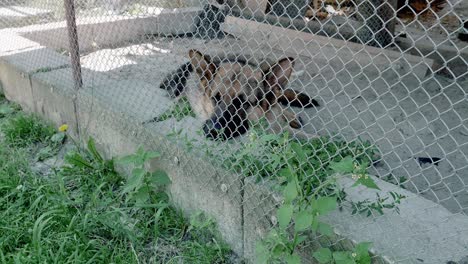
x=239 y=85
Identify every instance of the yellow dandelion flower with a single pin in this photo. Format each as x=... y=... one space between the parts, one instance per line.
x=63 y=128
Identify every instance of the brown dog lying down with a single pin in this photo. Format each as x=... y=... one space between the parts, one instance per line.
x=234 y=91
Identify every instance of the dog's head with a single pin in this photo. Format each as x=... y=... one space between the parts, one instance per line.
x=234 y=88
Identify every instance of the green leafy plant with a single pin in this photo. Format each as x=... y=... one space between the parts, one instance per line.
x=300 y=214
x=179 y=111
x=367 y=206
x=202 y=229
x=43 y=70
x=5 y=110
x=90 y=159
x=263 y=156
x=360 y=255
x=399 y=182
x=51 y=146
x=141 y=184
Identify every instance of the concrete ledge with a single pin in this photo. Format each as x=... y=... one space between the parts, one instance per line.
x=17 y=67
x=54 y=97
x=11 y=42
x=18 y=16
x=423 y=232
x=16 y=85
x=326 y=50
x=104 y=31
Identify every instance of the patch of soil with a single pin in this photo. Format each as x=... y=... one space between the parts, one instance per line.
x=419 y=7
x=47 y=166
x=438 y=24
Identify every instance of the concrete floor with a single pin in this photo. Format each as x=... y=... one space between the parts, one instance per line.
x=406 y=117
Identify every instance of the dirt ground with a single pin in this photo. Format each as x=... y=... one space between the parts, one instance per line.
x=439 y=27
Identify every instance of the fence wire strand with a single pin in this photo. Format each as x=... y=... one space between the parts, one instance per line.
x=224 y=82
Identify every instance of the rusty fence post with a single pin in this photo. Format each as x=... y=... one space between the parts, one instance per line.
x=74 y=48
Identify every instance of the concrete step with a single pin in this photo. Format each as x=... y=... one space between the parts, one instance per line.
x=17 y=16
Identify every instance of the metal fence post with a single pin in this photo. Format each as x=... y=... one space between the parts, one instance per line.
x=74 y=48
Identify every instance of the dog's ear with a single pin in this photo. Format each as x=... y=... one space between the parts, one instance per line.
x=202 y=64
x=279 y=73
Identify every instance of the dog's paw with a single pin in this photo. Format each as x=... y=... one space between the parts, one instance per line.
x=297 y=123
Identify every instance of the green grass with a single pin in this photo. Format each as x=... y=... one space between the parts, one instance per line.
x=25 y=129
x=179 y=111
x=80 y=215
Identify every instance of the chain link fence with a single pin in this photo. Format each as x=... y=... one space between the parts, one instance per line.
x=269 y=92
